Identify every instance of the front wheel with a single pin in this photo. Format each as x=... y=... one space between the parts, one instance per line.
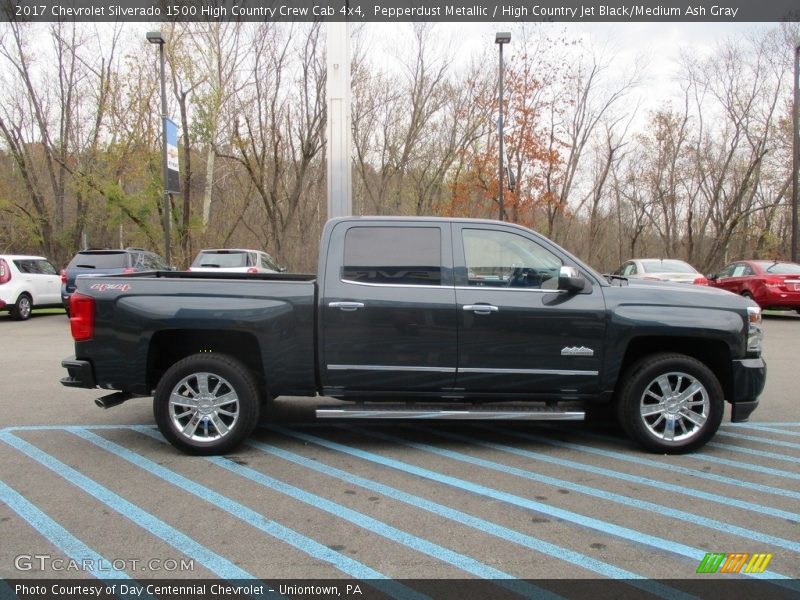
x=670 y=403
x=206 y=404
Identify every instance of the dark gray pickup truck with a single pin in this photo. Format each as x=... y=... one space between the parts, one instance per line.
x=420 y=318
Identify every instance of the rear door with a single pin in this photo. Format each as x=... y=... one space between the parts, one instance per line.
x=42 y=279
x=517 y=332
x=387 y=309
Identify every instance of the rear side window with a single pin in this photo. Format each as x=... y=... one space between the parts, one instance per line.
x=393 y=255
x=100 y=260
x=35 y=267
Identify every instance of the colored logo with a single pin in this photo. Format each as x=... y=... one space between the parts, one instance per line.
x=738 y=562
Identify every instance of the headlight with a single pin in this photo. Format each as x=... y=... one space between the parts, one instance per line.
x=755 y=331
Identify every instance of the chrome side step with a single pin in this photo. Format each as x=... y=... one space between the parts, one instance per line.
x=457 y=413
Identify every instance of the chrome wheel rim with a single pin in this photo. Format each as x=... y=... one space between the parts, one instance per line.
x=675 y=406
x=203 y=407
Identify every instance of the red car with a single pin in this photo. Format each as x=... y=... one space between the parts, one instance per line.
x=773 y=284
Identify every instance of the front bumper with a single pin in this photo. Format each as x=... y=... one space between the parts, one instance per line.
x=749 y=377
x=81 y=373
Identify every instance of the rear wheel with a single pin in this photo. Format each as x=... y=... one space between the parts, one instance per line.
x=670 y=403
x=206 y=404
x=22 y=307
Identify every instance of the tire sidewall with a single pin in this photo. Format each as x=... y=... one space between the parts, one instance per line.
x=240 y=379
x=639 y=377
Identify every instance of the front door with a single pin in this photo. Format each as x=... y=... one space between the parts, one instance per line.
x=388 y=309
x=517 y=332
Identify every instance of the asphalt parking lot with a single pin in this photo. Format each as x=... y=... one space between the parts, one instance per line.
x=307 y=500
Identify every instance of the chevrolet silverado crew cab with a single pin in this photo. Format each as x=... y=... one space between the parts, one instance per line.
x=422 y=318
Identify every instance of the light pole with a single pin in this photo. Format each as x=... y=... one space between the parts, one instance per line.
x=795 y=149
x=156 y=37
x=502 y=37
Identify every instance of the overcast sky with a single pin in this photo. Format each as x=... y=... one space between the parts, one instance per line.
x=659 y=44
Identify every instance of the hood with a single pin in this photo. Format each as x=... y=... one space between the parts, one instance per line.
x=667 y=293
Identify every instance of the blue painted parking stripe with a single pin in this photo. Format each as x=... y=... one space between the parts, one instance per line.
x=59 y=537
x=576 y=558
x=748 y=466
x=311 y=547
x=655 y=483
x=769 y=429
x=647 y=462
x=644 y=505
x=760 y=440
x=482 y=490
x=210 y=560
x=754 y=452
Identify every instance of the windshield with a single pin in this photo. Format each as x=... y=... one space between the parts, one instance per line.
x=224 y=259
x=667 y=266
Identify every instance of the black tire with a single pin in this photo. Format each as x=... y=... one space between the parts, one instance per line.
x=213 y=420
x=21 y=310
x=692 y=408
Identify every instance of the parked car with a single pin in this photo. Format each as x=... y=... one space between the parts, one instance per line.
x=27 y=282
x=107 y=262
x=773 y=284
x=661 y=269
x=235 y=260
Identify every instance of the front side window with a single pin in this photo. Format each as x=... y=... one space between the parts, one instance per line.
x=503 y=259
x=393 y=255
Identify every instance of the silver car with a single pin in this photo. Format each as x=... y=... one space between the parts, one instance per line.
x=235 y=260
x=661 y=269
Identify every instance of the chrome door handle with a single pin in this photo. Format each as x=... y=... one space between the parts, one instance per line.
x=347 y=306
x=481 y=309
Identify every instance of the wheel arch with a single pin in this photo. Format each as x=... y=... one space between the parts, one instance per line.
x=169 y=346
x=715 y=354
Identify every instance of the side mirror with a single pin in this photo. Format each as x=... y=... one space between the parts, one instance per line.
x=570 y=280
x=282 y=269
x=712 y=276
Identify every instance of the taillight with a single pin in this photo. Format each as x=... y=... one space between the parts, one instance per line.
x=773 y=282
x=252 y=270
x=128 y=270
x=700 y=280
x=5 y=272
x=64 y=276
x=81 y=317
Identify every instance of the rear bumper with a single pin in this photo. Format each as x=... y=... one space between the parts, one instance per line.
x=749 y=377
x=80 y=373
x=779 y=300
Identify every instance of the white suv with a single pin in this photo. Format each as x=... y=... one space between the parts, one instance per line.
x=27 y=282
x=235 y=260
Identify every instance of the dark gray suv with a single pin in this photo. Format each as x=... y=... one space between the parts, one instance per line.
x=107 y=262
